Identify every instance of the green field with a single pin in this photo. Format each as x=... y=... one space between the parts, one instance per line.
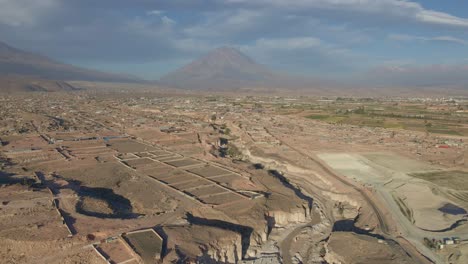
x=416 y=117
x=456 y=180
x=147 y=244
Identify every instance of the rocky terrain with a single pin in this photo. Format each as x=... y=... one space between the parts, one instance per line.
x=249 y=183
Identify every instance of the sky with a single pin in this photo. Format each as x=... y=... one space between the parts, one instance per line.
x=338 y=39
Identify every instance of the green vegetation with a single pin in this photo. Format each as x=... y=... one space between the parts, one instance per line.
x=328 y=118
x=147 y=244
x=443 y=130
x=213 y=118
x=394 y=125
x=234 y=152
x=318 y=117
x=456 y=180
x=429 y=243
x=418 y=116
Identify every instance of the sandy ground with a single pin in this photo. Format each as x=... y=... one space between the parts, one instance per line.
x=418 y=199
x=351 y=248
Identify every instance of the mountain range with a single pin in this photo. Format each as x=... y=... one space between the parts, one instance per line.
x=21 y=67
x=224 y=69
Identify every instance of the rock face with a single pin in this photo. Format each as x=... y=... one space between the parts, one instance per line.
x=226 y=250
x=332 y=257
x=283 y=219
x=203 y=244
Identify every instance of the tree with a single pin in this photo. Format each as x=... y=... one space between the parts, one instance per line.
x=234 y=152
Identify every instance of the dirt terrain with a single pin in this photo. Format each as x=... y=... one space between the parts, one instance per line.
x=222 y=180
x=351 y=248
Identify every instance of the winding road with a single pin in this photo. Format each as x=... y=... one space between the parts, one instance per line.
x=410 y=249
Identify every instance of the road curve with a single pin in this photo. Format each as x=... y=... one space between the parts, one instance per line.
x=382 y=224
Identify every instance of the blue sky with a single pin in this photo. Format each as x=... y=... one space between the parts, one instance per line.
x=339 y=39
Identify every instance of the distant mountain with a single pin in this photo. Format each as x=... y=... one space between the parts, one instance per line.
x=17 y=62
x=417 y=77
x=18 y=83
x=222 y=69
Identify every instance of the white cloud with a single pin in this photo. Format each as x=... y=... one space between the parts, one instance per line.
x=157 y=27
x=288 y=43
x=164 y=19
x=154 y=13
x=196 y=46
x=435 y=17
x=300 y=54
x=404 y=37
x=385 y=8
x=450 y=39
x=25 y=12
x=167 y=21
x=309 y=34
x=226 y=22
x=243 y=18
x=303 y=45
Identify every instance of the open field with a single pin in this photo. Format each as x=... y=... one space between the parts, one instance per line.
x=116 y=252
x=398 y=163
x=184 y=163
x=419 y=202
x=416 y=117
x=29 y=215
x=455 y=180
x=209 y=171
x=140 y=163
x=126 y=146
x=352 y=248
x=146 y=243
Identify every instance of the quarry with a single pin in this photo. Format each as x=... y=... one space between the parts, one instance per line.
x=267 y=185
x=233 y=132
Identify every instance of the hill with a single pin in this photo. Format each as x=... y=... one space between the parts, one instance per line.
x=18 y=62
x=17 y=83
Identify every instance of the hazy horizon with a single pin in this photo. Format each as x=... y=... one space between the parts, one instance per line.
x=402 y=41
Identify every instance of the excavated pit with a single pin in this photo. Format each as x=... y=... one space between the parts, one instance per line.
x=116 y=206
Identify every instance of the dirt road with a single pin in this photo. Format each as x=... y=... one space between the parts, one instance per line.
x=383 y=225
